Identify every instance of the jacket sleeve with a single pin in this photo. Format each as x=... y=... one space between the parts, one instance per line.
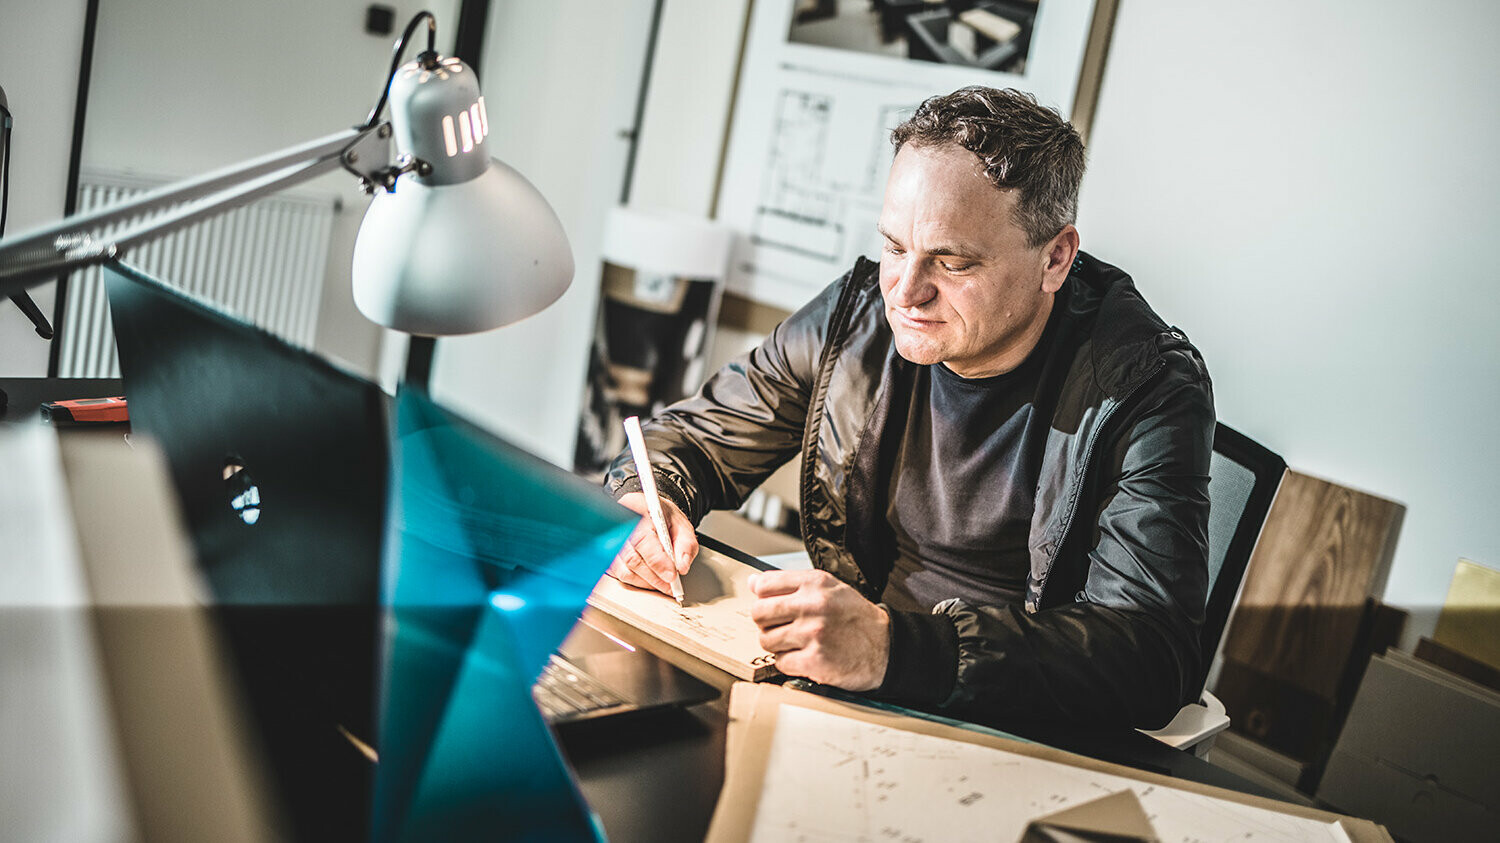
x=1124 y=651
x=710 y=450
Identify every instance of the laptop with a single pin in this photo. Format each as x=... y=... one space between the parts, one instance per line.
x=281 y=462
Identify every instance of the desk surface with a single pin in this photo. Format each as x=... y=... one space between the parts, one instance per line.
x=657 y=777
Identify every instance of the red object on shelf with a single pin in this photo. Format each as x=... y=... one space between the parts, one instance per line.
x=87 y=410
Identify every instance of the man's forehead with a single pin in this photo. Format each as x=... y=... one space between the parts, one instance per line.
x=946 y=169
x=950 y=156
x=942 y=188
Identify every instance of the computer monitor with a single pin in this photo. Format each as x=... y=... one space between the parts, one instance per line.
x=363 y=618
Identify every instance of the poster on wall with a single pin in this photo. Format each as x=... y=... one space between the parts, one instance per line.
x=823 y=84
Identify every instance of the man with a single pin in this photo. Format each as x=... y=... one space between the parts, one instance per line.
x=1001 y=442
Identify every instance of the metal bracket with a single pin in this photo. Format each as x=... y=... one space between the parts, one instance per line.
x=368 y=158
x=357 y=161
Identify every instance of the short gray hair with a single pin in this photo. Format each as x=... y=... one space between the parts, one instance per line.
x=1023 y=145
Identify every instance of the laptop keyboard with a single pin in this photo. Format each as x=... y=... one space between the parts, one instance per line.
x=566 y=693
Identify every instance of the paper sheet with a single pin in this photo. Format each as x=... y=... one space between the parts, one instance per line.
x=832 y=778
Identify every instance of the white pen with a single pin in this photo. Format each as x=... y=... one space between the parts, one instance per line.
x=653 y=500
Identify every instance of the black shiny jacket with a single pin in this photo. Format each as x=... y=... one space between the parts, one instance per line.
x=1118 y=581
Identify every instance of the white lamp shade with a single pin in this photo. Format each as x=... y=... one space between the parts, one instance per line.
x=460 y=258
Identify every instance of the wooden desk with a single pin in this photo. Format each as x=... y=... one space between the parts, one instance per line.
x=657 y=777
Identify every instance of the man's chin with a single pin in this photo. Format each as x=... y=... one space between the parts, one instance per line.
x=921 y=355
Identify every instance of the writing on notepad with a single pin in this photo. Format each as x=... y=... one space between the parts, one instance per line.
x=713 y=624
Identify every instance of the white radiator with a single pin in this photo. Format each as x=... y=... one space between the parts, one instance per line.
x=263 y=262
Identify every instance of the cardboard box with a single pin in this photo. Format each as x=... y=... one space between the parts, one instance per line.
x=1417 y=752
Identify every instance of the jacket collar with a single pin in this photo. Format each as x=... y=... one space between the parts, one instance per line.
x=1128 y=336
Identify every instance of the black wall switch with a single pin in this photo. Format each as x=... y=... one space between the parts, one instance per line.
x=380 y=20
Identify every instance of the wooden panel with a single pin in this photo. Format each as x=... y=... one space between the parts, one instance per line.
x=1324 y=549
x=1290 y=719
x=1277 y=714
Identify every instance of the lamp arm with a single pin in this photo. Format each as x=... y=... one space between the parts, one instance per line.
x=37 y=256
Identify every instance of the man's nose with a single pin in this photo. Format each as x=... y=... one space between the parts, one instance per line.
x=913 y=287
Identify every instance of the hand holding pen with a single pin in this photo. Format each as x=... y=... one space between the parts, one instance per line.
x=663 y=545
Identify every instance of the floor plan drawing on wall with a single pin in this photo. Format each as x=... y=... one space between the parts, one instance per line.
x=821 y=192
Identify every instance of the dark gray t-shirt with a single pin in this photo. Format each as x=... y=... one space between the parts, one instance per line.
x=964 y=487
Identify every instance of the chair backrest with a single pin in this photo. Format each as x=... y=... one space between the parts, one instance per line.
x=1243 y=478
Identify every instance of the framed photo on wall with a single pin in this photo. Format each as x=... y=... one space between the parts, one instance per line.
x=822 y=84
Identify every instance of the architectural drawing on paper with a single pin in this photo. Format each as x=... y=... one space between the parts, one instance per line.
x=831 y=779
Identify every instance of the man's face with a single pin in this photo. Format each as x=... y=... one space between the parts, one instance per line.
x=960 y=283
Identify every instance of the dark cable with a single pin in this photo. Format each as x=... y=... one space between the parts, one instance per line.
x=21 y=299
x=400 y=49
x=4 y=162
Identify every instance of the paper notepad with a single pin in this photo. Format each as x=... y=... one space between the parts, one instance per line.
x=713 y=624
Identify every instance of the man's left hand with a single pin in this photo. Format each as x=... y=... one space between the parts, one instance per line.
x=821 y=628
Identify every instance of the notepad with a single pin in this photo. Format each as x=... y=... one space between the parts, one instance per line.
x=713 y=624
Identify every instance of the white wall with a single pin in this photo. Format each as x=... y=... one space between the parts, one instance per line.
x=687 y=105
x=1308 y=190
x=560 y=82
x=40 y=47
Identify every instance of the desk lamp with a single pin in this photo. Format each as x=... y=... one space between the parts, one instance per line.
x=454 y=242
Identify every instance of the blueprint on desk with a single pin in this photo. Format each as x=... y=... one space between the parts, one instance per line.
x=832 y=778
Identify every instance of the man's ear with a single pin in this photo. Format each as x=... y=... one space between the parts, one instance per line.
x=1060 y=252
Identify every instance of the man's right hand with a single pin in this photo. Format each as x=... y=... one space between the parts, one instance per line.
x=643 y=562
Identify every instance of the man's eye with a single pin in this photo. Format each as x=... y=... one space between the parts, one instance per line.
x=953 y=266
x=894 y=249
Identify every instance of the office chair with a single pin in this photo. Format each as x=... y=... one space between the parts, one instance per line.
x=1243 y=479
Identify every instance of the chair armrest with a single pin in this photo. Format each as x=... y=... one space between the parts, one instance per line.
x=1195 y=724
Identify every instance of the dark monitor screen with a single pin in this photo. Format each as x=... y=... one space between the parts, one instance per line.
x=280 y=462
